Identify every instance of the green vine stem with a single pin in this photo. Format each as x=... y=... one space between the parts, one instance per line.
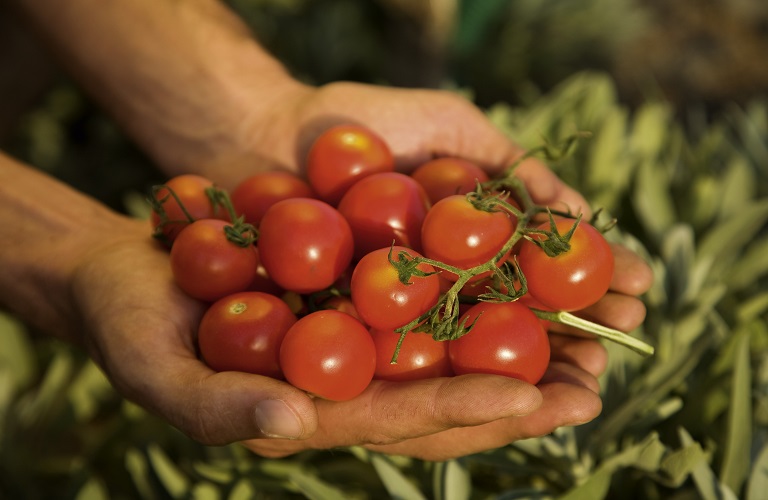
x=599 y=330
x=442 y=320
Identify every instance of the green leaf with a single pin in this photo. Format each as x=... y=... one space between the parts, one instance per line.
x=736 y=460
x=88 y=389
x=681 y=463
x=645 y=455
x=652 y=198
x=452 y=481
x=397 y=484
x=723 y=244
x=93 y=489
x=313 y=487
x=650 y=129
x=692 y=460
x=737 y=188
x=174 y=480
x=750 y=267
x=758 y=479
x=50 y=394
x=138 y=468
x=16 y=351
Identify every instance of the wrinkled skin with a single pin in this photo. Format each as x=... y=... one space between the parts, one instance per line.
x=109 y=286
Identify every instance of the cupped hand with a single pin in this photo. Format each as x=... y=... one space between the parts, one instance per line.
x=141 y=331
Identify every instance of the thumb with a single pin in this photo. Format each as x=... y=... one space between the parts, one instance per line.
x=225 y=407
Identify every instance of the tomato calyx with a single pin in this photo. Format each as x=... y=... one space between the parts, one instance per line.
x=510 y=284
x=407 y=266
x=240 y=233
x=553 y=243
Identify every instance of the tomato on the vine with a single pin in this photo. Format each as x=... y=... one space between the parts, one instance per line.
x=574 y=279
x=443 y=177
x=385 y=208
x=255 y=194
x=304 y=244
x=341 y=156
x=207 y=265
x=243 y=332
x=329 y=354
x=168 y=218
x=420 y=356
x=457 y=233
x=506 y=339
x=385 y=302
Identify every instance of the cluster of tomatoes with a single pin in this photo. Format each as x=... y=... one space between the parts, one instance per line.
x=358 y=272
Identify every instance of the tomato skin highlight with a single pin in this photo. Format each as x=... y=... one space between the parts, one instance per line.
x=207 y=266
x=329 y=354
x=341 y=156
x=458 y=234
x=255 y=194
x=304 y=244
x=574 y=279
x=382 y=300
x=420 y=356
x=507 y=339
x=384 y=208
x=244 y=332
x=443 y=177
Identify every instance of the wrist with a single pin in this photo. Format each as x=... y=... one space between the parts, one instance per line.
x=48 y=230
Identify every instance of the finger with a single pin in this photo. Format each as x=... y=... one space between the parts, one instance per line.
x=548 y=189
x=568 y=399
x=391 y=412
x=585 y=353
x=632 y=276
x=614 y=310
x=212 y=408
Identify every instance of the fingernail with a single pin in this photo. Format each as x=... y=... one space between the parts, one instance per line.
x=276 y=420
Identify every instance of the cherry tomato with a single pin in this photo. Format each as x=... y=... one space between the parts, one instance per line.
x=261 y=280
x=304 y=244
x=382 y=300
x=328 y=354
x=420 y=356
x=385 y=208
x=443 y=177
x=574 y=279
x=458 y=234
x=243 y=332
x=506 y=339
x=341 y=156
x=255 y=194
x=340 y=303
x=208 y=266
x=190 y=190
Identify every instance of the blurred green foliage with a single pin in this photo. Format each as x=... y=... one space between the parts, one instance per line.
x=690 y=191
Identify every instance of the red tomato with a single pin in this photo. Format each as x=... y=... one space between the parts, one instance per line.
x=574 y=279
x=304 y=244
x=420 y=356
x=255 y=194
x=382 y=300
x=329 y=354
x=243 y=332
x=207 y=266
x=458 y=234
x=341 y=303
x=385 y=208
x=190 y=190
x=443 y=177
x=341 y=156
x=507 y=339
x=261 y=280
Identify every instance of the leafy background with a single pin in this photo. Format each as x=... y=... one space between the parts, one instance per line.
x=674 y=97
